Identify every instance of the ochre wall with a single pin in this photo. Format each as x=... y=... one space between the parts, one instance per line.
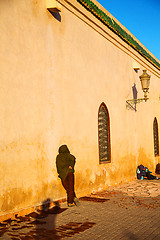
x=56 y=70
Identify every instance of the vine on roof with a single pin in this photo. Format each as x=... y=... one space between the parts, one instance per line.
x=111 y=23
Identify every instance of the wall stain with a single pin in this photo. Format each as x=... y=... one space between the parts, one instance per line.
x=33 y=172
x=106 y=174
x=13 y=198
x=145 y=160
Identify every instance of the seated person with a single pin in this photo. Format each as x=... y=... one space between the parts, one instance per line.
x=143 y=172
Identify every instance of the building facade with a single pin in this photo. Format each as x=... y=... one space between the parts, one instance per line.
x=67 y=70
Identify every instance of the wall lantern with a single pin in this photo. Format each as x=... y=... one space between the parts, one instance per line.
x=145 y=81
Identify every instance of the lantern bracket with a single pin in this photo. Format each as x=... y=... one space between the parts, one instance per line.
x=131 y=103
x=145 y=81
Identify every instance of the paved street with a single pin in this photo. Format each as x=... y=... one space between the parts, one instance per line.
x=129 y=211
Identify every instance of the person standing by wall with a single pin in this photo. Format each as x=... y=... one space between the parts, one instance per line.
x=65 y=163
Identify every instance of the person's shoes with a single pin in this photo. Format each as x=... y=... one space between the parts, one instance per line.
x=71 y=204
x=76 y=201
x=157 y=178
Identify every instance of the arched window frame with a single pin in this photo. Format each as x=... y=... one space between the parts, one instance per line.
x=156 y=137
x=108 y=156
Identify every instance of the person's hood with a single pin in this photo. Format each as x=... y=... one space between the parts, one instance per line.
x=64 y=149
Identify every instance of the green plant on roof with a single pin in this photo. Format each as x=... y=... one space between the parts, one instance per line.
x=111 y=23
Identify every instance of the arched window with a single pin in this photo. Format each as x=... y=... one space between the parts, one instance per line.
x=156 y=138
x=104 y=134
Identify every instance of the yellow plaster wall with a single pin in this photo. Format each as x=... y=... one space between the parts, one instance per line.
x=26 y=105
x=56 y=70
x=96 y=71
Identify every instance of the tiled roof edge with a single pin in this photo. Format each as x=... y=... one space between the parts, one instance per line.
x=111 y=23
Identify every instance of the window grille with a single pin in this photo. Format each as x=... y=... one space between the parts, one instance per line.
x=104 y=134
x=156 y=138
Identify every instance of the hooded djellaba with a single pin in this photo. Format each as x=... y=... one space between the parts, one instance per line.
x=63 y=160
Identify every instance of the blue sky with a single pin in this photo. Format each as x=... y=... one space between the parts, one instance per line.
x=141 y=18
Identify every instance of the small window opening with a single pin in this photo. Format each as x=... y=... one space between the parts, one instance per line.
x=156 y=138
x=104 y=134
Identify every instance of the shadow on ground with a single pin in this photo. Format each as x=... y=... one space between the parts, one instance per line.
x=41 y=225
x=36 y=225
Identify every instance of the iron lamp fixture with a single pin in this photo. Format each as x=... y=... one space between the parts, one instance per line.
x=145 y=81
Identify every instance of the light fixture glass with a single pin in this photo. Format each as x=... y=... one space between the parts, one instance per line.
x=145 y=81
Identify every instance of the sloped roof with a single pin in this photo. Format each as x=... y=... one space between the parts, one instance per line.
x=116 y=28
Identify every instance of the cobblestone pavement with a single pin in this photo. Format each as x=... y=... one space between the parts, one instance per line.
x=128 y=211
